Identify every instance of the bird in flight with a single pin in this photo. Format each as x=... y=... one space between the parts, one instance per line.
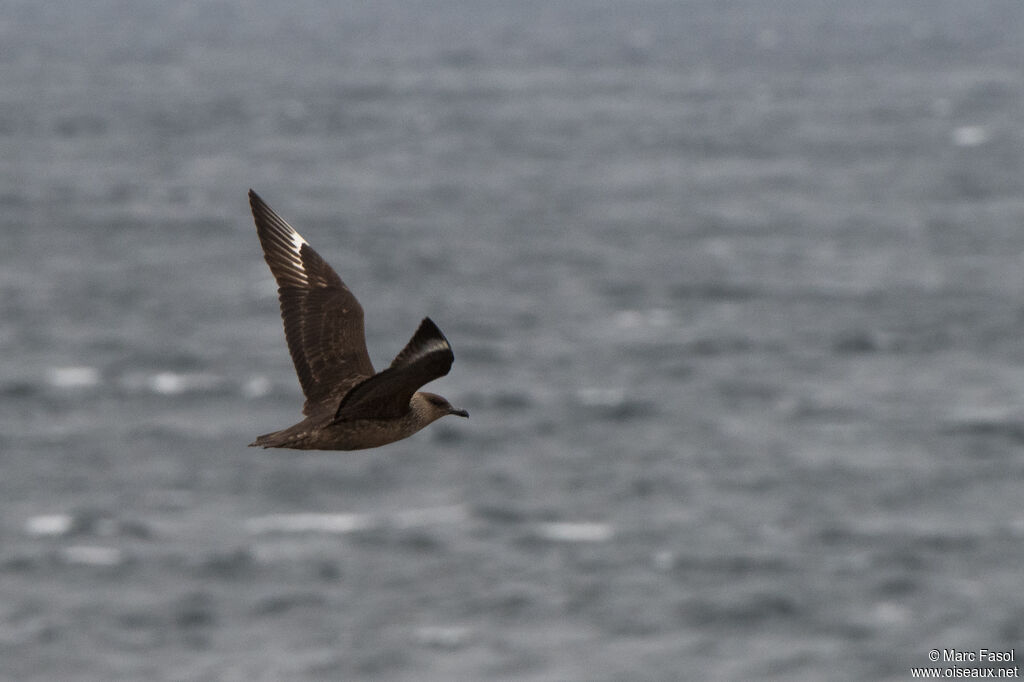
x=349 y=406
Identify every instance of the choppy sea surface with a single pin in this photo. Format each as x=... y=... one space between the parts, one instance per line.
x=737 y=302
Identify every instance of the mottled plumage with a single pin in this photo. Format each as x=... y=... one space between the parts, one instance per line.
x=348 y=405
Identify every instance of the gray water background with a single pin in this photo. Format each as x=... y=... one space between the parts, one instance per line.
x=735 y=293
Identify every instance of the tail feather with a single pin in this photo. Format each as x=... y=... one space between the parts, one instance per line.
x=267 y=440
x=296 y=436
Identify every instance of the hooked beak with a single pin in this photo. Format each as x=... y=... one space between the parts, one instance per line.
x=459 y=413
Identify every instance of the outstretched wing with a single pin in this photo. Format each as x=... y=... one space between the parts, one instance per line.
x=323 y=321
x=426 y=357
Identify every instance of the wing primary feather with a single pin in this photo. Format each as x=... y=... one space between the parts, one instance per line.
x=323 y=321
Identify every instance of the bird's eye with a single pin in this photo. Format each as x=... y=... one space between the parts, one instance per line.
x=437 y=400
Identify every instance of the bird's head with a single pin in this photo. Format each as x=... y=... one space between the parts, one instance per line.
x=434 y=406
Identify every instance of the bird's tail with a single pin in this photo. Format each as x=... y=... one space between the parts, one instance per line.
x=268 y=440
x=296 y=437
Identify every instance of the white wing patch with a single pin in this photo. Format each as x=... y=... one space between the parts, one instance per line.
x=296 y=249
x=298 y=241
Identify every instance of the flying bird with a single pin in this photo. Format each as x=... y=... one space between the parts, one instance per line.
x=349 y=406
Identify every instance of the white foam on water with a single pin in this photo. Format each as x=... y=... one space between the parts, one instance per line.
x=173 y=383
x=970 y=136
x=167 y=383
x=91 y=555
x=73 y=377
x=564 y=531
x=309 y=522
x=256 y=387
x=170 y=383
x=49 y=525
x=341 y=523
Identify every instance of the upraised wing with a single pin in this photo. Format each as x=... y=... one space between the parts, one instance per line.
x=426 y=357
x=323 y=321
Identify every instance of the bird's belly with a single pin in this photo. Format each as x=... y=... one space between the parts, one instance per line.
x=364 y=433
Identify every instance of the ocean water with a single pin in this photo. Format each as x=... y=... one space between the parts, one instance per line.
x=734 y=290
